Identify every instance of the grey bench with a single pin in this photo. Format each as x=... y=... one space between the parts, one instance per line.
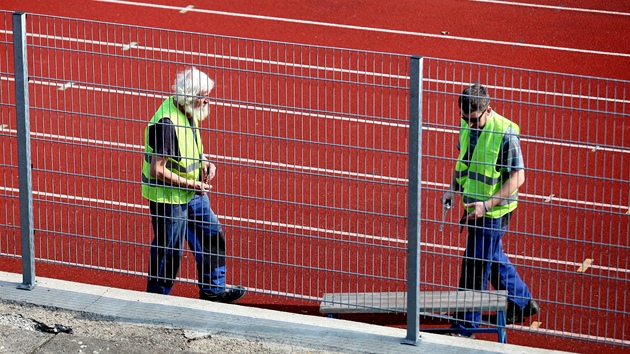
x=432 y=303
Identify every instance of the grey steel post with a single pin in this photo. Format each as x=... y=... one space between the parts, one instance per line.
x=415 y=168
x=24 y=150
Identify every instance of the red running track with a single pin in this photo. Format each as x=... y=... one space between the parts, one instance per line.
x=559 y=39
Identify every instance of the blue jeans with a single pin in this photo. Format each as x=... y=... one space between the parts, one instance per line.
x=206 y=240
x=484 y=260
x=196 y=223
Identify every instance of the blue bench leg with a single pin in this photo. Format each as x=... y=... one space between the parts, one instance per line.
x=501 y=327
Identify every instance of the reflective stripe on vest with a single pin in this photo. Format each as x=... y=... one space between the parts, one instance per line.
x=188 y=166
x=479 y=178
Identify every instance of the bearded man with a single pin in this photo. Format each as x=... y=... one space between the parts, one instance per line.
x=175 y=180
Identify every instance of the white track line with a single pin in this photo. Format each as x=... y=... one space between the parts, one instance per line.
x=285 y=167
x=316 y=67
x=558 y=8
x=354 y=120
x=317 y=298
x=341 y=234
x=370 y=29
x=581 y=336
x=85 y=42
x=180 y=278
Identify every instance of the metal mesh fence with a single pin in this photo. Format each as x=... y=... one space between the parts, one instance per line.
x=10 y=214
x=311 y=181
x=311 y=146
x=569 y=236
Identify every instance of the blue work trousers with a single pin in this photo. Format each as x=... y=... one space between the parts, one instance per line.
x=199 y=225
x=484 y=260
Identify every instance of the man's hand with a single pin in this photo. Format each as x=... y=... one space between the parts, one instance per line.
x=447 y=204
x=447 y=198
x=478 y=211
x=202 y=187
x=210 y=170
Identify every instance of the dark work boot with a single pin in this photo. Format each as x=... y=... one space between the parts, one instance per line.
x=227 y=296
x=516 y=315
x=472 y=336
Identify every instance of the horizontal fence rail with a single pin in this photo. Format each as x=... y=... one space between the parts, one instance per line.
x=312 y=148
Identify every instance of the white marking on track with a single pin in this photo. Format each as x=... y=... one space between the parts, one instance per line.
x=65 y=86
x=585 y=265
x=129 y=46
x=186 y=9
x=371 y=29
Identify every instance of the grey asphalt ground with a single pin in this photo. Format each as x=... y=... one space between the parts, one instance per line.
x=110 y=320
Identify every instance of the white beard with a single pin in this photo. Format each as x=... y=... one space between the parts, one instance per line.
x=199 y=113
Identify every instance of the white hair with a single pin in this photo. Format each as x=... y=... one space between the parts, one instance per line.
x=190 y=83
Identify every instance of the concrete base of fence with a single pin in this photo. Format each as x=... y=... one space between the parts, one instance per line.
x=278 y=332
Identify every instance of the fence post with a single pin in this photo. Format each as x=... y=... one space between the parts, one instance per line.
x=415 y=168
x=24 y=150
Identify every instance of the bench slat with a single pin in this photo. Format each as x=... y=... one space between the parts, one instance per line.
x=429 y=301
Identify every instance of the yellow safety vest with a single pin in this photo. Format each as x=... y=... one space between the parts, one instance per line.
x=188 y=166
x=480 y=179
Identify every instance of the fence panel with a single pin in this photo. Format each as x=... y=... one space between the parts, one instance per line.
x=310 y=144
x=570 y=234
x=10 y=247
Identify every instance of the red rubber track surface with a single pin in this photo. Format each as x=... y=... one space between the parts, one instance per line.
x=557 y=39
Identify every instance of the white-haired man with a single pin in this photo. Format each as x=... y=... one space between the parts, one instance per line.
x=173 y=182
